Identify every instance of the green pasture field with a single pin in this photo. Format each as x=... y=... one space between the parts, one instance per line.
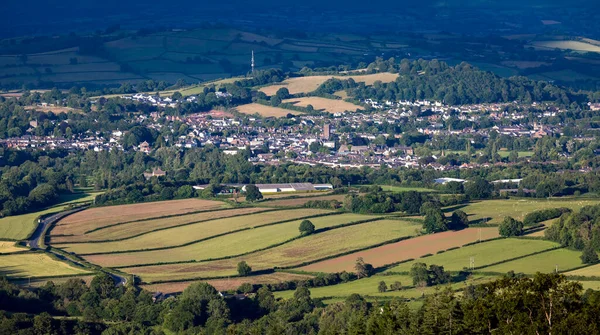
x=484 y=253
x=135 y=228
x=188 y=233
x=308 y=249
x=588 y=271
x=35 y=264
x=223 y=246
x=545 y=262
x=39 y=282
x=594 y=285
x=18 y=227
x=495 y=210
x=566 y=45
x=369 y=287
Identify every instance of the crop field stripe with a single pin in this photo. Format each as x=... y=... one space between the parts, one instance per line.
x=164 y=228
x=249 y=252
x=203 y=239
x=157 y=218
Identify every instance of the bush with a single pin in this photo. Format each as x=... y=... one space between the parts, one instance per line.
x=511 y=227
x=244 y=269
x=306 y=227
x=544 y=215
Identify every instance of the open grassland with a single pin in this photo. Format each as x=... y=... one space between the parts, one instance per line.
x=311 y=83
x=566 y=45
x=495 y=210
x=18 y=227
x=301 y=201
x=224 y=246
x=405 y=189
x=35 y=264
x=485 y=253
x=324 y=104
x=39 y=282
x=128 y=230
x=589 y=271
x=307 y=249
x=93 y=218
x=227 y=284
x=369 y=287
x=9 y=248
x=265 y=111
x=545 y=262
x=408 y=249
x=177 y=236
x=590 y=284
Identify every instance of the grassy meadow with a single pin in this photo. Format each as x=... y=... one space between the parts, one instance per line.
x=35 y=264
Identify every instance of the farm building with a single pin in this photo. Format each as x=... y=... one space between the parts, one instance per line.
x=291 y=187
x=447 y=180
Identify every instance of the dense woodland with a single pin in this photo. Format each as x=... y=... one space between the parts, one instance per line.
x=544 y=304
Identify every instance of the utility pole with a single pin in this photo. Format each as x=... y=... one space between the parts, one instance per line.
x=472 y=263
x=252 y=62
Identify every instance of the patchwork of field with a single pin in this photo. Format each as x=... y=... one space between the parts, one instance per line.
x=408 y=249
x=192 y=233
x=547 y=262
x=94 y=218
x=229 y=283
x=18 y=227
x=136 y=228
x=295 y=202
x=494 y=211
x=39 y=282
x=483 y=254
x=265 y=111
x=324 y=104
x=34 y=264
x=307 y=249
x=310 y=83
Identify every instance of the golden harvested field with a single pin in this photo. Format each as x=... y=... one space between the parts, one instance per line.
x=53 y=109
x=39 y=282
x=189 y=233
x=301 y=201
x=36 y=264
x=307 y=249
x=327 y=105
x=223 y=246
x=265 y=111
x=403 y=250
x=139 y=227
x=589 y=271
x=227 y=284
x=9 y=247
x=311 y=83
x=79 y=223
x=564 y=45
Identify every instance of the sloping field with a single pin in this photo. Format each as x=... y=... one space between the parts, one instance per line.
x=79 y=223
x=265 y=111
x=546 y=262
x=25 y=265
x=127 y=230
x=311 y=83
x=189 y=233
x=485 y=253
x=566 y=45
x=9 y=247
x=227 y=284
x=403 y=250
x=327 y=105
x=301 y=201
x=308 y=249
x=39 y=282
x=18 y=227
x=223 y=246
x=496 y=210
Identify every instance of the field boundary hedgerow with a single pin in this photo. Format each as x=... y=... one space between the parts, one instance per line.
x=206 y=238
x=252 y=251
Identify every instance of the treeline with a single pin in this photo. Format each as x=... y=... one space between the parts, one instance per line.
x=579 y=230
x=546 y=303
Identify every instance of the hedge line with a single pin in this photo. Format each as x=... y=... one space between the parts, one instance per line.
x=252 y=251
x=253 y=273
x=517 y=258
x=206 y=238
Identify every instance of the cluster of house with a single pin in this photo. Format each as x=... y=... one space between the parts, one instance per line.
x=157 y=100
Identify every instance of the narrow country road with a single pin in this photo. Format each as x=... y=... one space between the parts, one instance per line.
x=38 y=235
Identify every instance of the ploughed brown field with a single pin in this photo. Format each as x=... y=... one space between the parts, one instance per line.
x=227 y=284
x=80 y=222
x=403 y=250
